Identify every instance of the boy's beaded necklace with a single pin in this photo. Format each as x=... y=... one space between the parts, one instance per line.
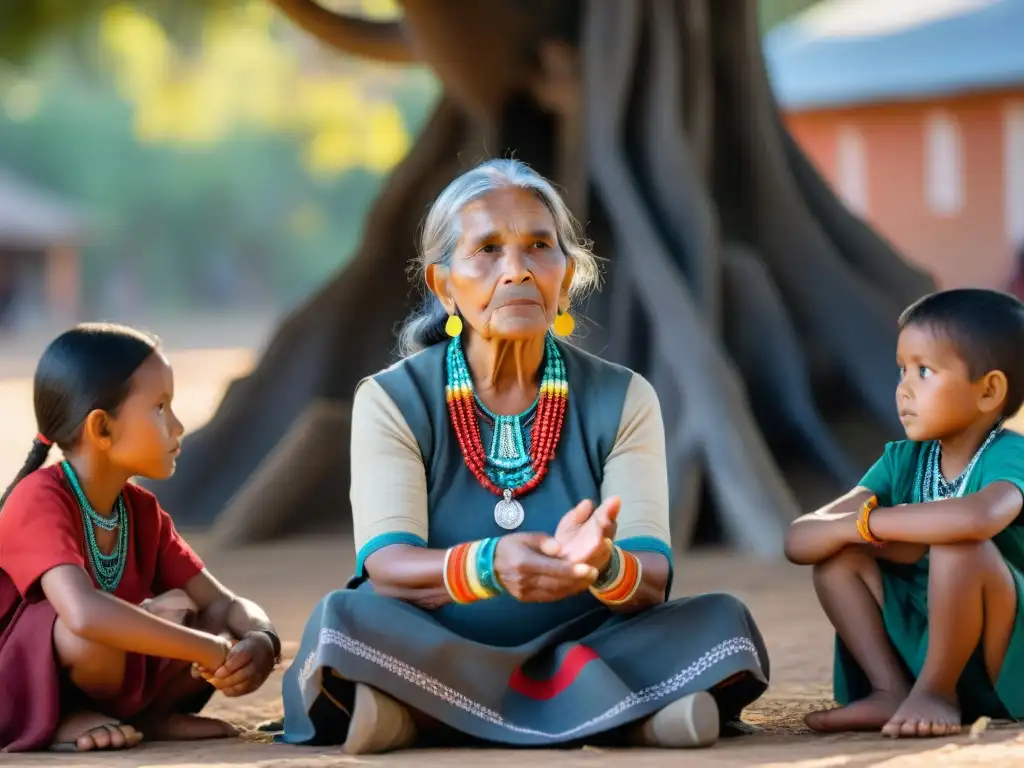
x=108 y=569
x=509 y=469
x=929 y=483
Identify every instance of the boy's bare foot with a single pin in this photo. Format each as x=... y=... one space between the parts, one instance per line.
x=180 y=727
x=867 y=714
x=86 y=731
x=924 y=713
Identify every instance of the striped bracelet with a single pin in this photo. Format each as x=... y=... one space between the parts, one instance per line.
x=622 y=580
x=469 y=572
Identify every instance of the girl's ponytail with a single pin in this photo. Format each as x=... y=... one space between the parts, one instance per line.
x=35 y=459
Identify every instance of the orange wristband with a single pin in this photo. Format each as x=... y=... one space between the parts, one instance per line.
x=863 y=526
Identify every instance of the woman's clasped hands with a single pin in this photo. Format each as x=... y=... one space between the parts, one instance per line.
x=537 y=568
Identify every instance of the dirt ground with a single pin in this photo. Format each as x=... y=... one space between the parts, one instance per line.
x=289 y=577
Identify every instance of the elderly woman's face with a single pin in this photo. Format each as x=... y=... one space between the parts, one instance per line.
x=508 y=273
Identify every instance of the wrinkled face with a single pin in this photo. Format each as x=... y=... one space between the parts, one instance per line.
x=936 y=397
x=145 y=435
x=508 y=275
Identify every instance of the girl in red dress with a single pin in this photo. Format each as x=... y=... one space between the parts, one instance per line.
x=111 y=629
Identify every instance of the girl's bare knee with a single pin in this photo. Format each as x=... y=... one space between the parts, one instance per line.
x=93 y=667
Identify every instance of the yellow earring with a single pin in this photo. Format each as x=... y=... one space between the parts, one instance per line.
x=453 y=325
x=564 y=324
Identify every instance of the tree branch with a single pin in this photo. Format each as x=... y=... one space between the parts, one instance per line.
x=384 y=41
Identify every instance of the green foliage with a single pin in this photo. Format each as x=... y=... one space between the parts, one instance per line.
x=25 y=25
x=240 y=220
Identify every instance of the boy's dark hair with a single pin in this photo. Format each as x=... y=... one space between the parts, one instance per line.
x=85 y=369
x=987 y=329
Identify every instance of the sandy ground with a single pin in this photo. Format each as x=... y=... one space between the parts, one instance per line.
x=288 y=578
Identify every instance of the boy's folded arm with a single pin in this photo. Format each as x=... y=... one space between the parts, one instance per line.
x=974 y=517
x=819 y=535
x=103 y=618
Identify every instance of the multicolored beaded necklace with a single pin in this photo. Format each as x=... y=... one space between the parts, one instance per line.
x=518 y=458
x=929 y=483
x=108 y=568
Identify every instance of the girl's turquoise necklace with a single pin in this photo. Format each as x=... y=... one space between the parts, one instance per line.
x=108 y=569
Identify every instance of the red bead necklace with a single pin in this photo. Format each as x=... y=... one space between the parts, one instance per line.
x=547 y=426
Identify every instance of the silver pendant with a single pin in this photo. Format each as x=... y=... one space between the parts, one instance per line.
x=509 y=513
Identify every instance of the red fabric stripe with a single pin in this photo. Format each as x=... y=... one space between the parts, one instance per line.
x=542 y=690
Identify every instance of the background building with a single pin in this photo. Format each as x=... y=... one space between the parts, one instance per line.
x=914 y=110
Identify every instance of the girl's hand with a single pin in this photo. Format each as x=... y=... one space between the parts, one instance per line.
x=529 y=567
x=220 y=651
x=247 y=666
x=584 y=535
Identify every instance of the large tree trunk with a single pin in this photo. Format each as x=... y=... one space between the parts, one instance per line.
x=762 y=311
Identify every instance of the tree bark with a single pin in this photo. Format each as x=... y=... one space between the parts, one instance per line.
x=762 y=311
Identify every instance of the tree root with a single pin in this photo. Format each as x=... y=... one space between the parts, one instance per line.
x=312 y=456
x=845 y=322
x=685 y=213
x=768 y=348
x=754 y=501
x=764 y=344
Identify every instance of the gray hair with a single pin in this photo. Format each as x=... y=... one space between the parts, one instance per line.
x=425 y=327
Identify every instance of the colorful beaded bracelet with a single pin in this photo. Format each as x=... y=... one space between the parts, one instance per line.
x=620 y=585
x=469 y=574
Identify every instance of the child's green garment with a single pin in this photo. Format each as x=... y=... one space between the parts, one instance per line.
x=893 y=479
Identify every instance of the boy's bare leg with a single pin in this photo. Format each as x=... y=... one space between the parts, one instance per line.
x=849 y=587
x=972 y=599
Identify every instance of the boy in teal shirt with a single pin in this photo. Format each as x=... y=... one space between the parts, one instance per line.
x=922 y=576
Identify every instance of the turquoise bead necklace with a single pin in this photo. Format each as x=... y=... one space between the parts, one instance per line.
x=108 y=569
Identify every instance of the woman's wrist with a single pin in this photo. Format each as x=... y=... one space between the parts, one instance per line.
x=469 y=572
x=622 y=581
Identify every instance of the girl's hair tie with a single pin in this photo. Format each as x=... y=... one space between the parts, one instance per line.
x=41 y=438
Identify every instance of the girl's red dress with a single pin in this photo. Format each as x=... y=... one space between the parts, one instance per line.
x=41 y=528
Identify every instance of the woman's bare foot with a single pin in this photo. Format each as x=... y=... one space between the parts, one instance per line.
x=181 y=727
x=86 y=731
x=924 y=713
x=867 y=714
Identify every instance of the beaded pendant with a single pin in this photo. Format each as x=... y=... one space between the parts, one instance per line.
x=930 y=485
x=108 y=569
x=509 y=469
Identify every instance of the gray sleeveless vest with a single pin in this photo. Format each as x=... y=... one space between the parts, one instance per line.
x=461 y=510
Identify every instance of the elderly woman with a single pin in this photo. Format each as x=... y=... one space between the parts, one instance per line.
x=492 y=470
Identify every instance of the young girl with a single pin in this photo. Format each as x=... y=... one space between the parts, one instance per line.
x=111 y=627
x=919 y=568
